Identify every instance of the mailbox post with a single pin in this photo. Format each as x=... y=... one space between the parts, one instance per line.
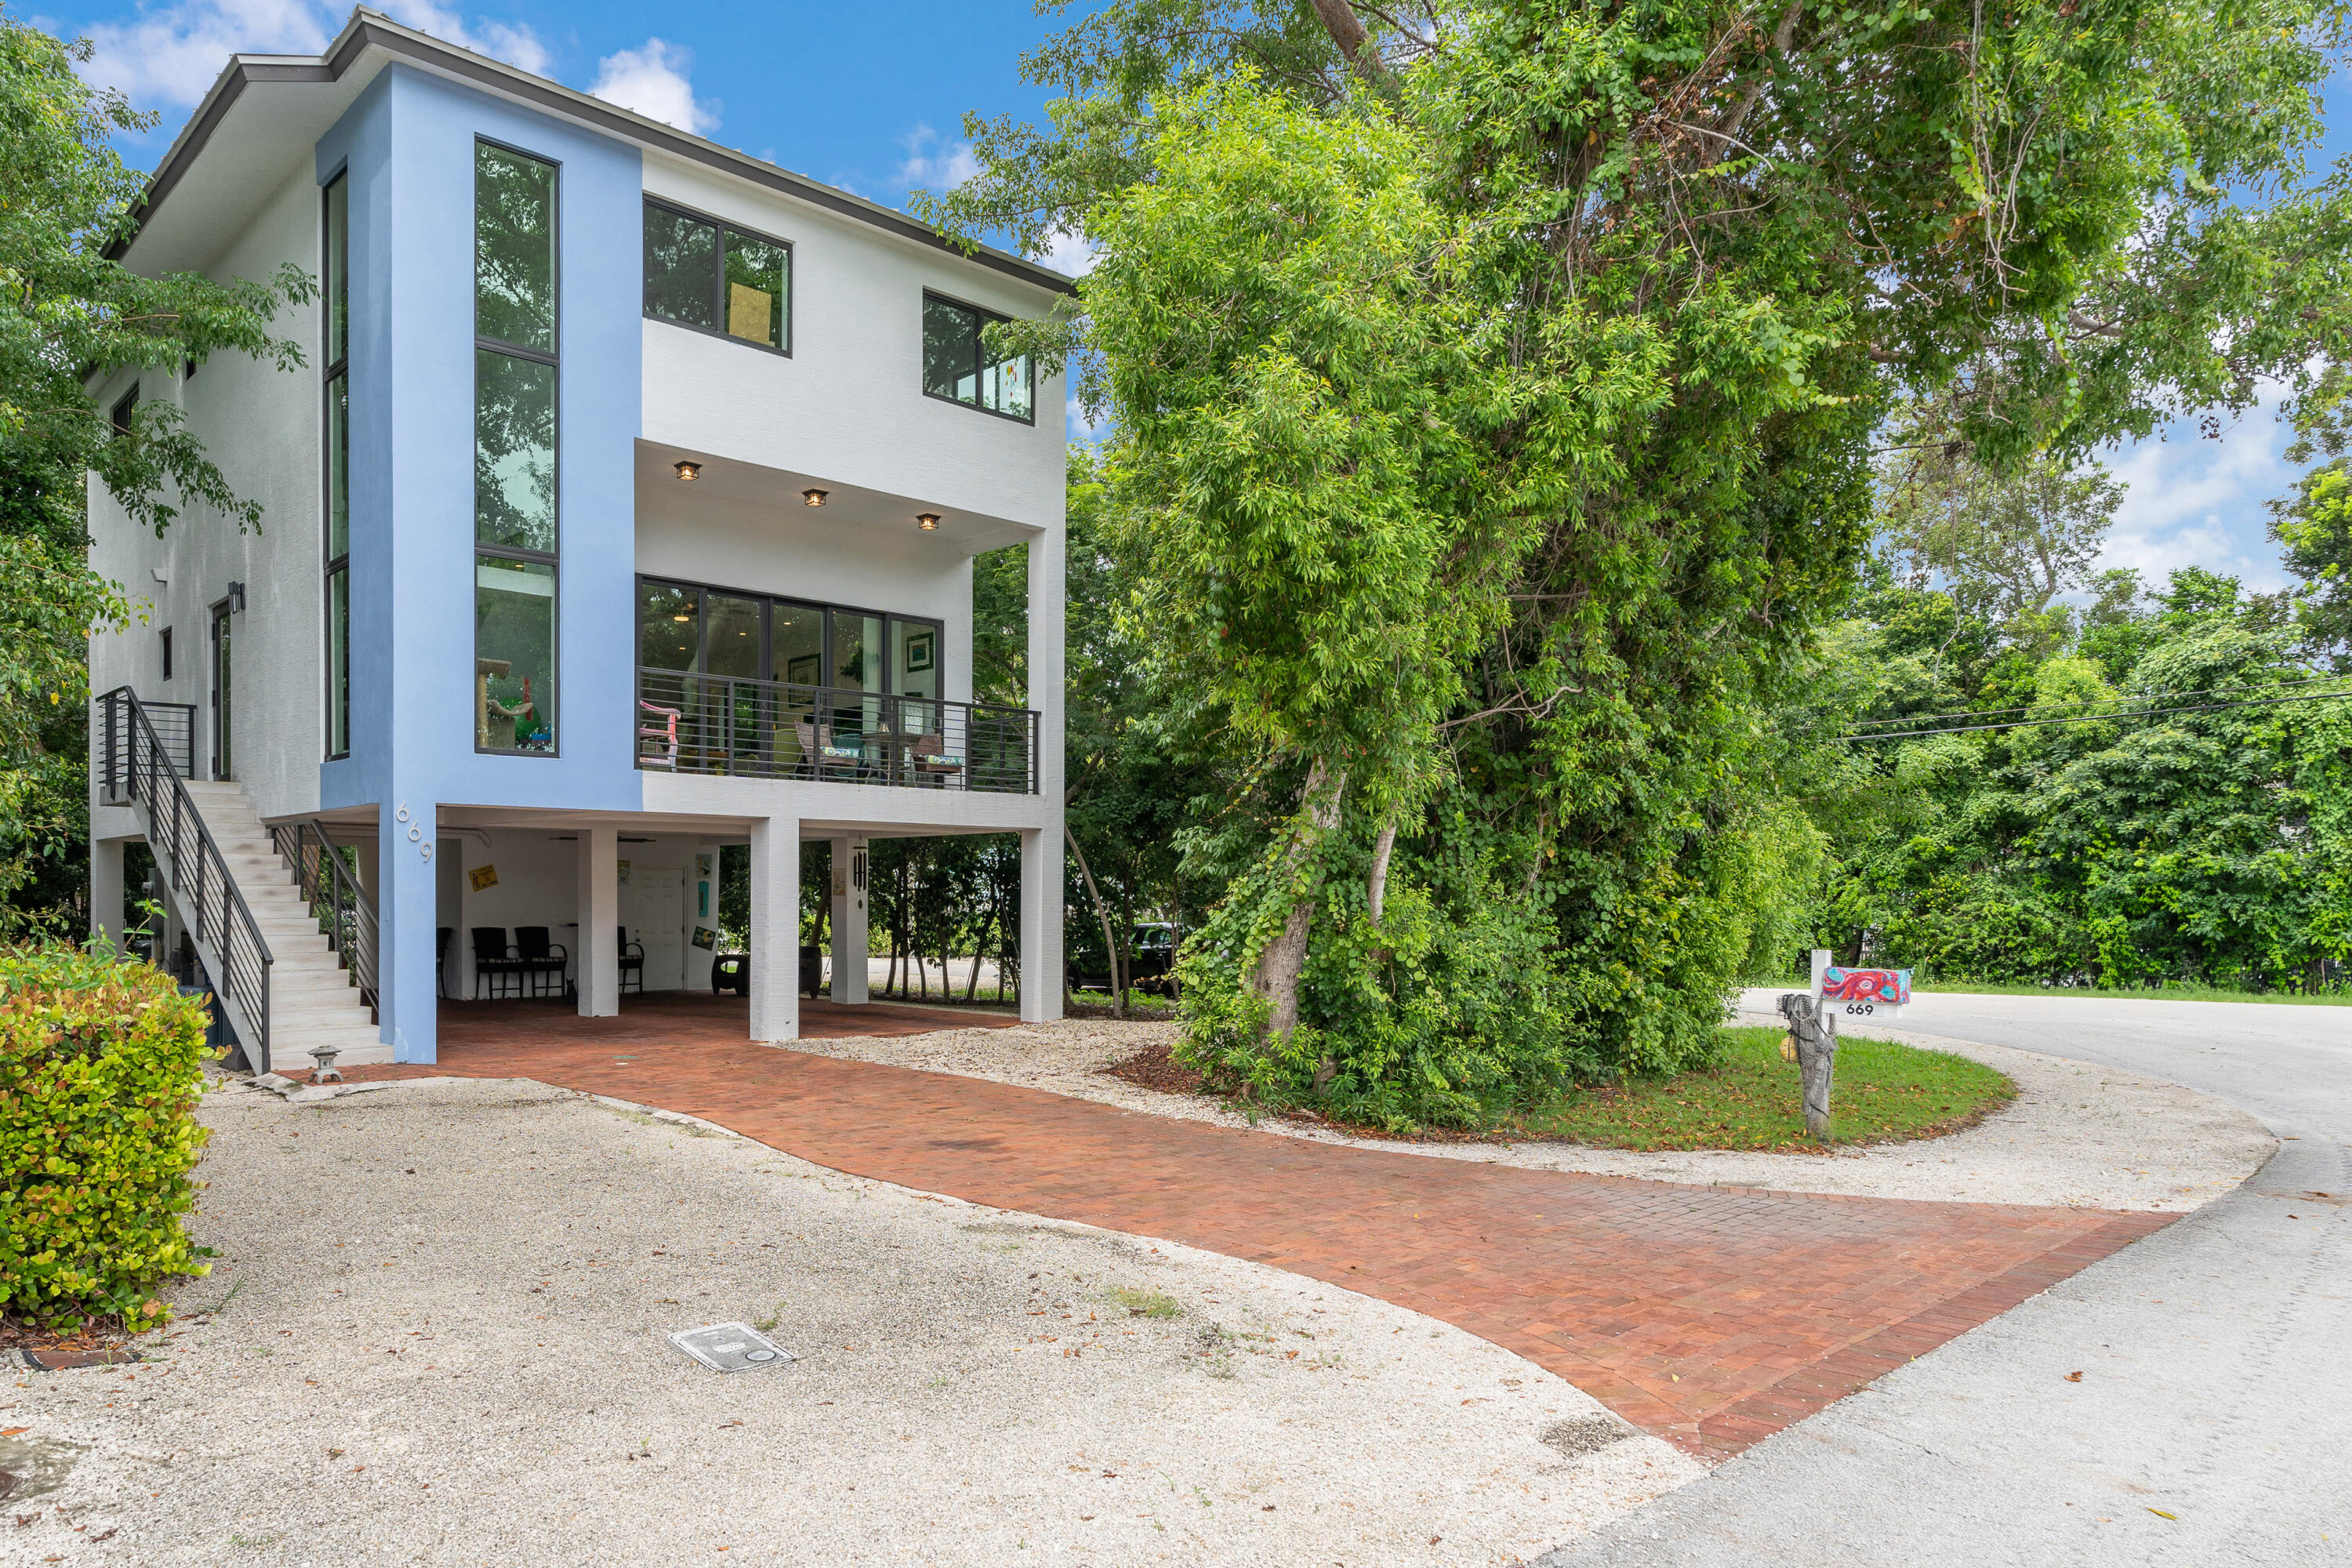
x=1813 y=1028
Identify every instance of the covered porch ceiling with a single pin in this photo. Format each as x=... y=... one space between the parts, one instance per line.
x=846 y=507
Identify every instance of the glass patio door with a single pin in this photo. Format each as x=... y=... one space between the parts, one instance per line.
x=734 y=652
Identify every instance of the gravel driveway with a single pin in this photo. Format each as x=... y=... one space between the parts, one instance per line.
x=399 y=1366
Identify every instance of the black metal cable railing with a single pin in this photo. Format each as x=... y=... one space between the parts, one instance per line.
x=332 y=892
x=143 y=772
x=693 y=724
x=174 y=725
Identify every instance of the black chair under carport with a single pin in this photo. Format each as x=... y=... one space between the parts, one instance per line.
x=495 y=959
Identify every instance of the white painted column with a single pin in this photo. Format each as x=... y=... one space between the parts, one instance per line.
x=105 y=888
x=1041 y=926
x=849 y=921
x=598 y=957
x=776 y=929
x=1041 y=847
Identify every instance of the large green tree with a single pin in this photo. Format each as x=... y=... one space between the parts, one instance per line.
x=70 y=314
x=1498 y=389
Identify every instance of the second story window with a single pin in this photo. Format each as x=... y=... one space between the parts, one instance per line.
x=959 y=366
x=715 y=278
x=516 y=493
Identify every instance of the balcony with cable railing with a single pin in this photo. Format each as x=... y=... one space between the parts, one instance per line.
x=735 y=727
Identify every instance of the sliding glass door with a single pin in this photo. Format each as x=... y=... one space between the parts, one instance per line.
x=785 y=684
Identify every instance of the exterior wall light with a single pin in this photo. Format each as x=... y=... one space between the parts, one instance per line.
x=689 y=472
x=813 y=496
x=926 y=520
x=237 y=594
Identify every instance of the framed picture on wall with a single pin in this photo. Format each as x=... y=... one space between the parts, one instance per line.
x=922 y=650
x=803 y=670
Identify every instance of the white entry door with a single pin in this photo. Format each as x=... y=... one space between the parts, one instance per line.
x=653 y=906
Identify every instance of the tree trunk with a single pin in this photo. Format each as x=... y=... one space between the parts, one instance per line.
x=1110 y=949
x=1376 y=889
x=980 y=949
x=1284 y=958
x=1339 y=20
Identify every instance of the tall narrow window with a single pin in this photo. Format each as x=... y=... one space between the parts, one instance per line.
x=516 y=511
x=337 y=267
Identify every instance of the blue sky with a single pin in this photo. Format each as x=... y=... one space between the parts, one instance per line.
x=870 y=95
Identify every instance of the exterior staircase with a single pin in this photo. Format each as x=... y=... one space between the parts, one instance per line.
x=313 y=999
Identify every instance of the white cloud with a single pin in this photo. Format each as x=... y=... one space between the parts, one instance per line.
x=172 y=54
x=1076 y=426
x=934 y=163
x=517 y=45
x=656 y=81
x=1069 y=254
x=2195 y=501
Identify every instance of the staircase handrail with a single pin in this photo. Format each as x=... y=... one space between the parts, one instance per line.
x=194 y=868
x=324 y=880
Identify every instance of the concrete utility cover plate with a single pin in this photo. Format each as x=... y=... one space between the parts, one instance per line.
x=731 y=1347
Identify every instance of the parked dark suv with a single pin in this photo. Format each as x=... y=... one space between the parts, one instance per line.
x=1150 y=961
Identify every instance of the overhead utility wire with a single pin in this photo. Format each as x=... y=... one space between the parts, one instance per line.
x=2092 y=718
x=2086 y=702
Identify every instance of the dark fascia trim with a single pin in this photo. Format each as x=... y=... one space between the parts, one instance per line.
x=367 y=30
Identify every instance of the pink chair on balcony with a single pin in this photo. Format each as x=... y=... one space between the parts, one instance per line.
x=662 y=731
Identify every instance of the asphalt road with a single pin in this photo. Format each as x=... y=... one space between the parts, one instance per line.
x=2213 y=1423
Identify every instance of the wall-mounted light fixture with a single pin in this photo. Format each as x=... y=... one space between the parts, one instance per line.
x=926 y=520
x=689 y=472
x=813 y=496
x=236 y=598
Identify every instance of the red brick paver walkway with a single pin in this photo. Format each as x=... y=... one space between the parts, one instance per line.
x=685 y=1018
x=1711 y=1317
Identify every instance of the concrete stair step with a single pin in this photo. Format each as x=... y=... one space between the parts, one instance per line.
x=295 y=1043
x=312 y=984
x=310 y=1027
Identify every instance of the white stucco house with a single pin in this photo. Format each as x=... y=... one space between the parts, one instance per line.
x=626 y=509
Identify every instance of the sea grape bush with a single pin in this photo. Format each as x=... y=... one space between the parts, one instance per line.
x=100 y=1072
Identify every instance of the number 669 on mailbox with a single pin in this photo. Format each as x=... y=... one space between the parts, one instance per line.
x=1859 y=993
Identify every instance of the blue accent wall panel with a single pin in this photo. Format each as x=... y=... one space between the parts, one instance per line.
x=408 y=145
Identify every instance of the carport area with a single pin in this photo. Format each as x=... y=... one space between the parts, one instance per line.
x=478 y=1037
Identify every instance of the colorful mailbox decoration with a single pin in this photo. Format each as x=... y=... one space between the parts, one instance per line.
x=1863 y=992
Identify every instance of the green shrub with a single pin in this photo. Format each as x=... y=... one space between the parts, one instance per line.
x=101 y=1070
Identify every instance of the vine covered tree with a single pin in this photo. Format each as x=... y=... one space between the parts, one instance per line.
x=1496 y=391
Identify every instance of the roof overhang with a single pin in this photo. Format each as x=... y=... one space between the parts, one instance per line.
x=266 y=111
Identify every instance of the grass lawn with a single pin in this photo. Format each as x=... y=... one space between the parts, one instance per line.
x=1885 y=1093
